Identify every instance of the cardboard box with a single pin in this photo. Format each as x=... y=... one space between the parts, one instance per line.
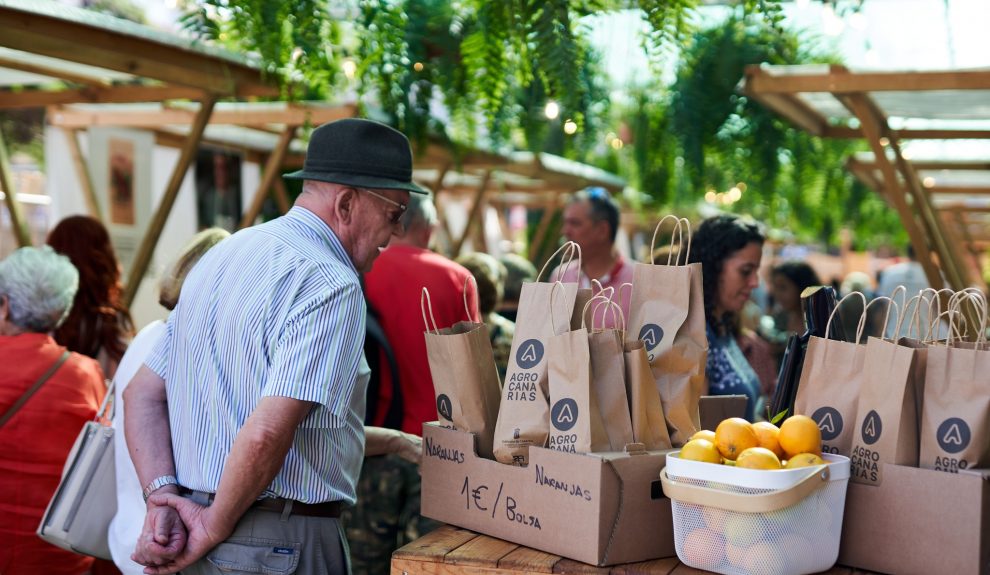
x=919 y=521
x=601 y=508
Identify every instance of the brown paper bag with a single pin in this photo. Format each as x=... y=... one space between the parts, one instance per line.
x=608 y=380
x=649 y=426
x=575 y=419
x=667 y=313
x=887 y=419
x=830 y=383
x=955 y=421
x=524 y=412
x=465 y=378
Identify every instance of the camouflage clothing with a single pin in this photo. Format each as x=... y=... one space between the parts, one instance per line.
x=386 y=516
x=501 y=331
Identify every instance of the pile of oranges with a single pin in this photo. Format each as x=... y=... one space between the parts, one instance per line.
x=796 y=443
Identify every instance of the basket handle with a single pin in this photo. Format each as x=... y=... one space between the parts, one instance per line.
x=744 y=502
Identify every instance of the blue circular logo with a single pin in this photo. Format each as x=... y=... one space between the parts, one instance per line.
x=953 y=435
x=564 y=414
x=444 y=407
x=872 y=428
x=529 y=354
x=829 y=421
x=651 y=334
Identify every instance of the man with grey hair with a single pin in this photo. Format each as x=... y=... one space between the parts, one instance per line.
x=389 y=515
x=46 y=394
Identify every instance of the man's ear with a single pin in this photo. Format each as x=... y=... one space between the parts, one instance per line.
x=345 y=203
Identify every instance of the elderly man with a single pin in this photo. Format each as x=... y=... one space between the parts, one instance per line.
x=46 y=395
x=591 y=220
x=245 y=423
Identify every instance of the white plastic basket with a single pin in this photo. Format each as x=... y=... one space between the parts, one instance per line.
x=755 y=522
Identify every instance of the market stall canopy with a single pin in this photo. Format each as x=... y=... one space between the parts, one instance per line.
x=273 y=134
x=916 y=123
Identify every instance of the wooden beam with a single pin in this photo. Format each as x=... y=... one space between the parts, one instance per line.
x=112 y=94
x=268 y=176
x=51 y=72
x=123 y=52
x=967 y=190
x=856 y=133
x=281 y=196
x=154 y=231
x=17 y=219
x=875 y=128
x=174 y=140
x=259 y=118
x=82 y=173
x=541 y=229
x=474 y=214
x=793 y=109
x=964 y=208
x=839 y=81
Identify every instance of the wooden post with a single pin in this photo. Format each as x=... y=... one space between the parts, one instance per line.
x=281 y=196
x=479 y=200
x=82 y=173
x=10 y=198
x=268 y=176
x=541 y=229
x=150 y=239
x=442 y=225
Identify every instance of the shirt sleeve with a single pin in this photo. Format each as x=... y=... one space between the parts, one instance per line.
x=157 y=360
x=318 y=355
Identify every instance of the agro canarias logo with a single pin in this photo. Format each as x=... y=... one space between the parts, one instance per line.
x=829 y=421
x=529 y=353
x=953 y=435
x=564 y=414
x=651 y=335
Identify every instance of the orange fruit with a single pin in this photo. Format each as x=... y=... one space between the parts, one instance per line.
x=800 y=434
x=804 y=460
x=704 y=434
x=733 y=436
x=758 y=458
x=701 y=450
x=767 y=433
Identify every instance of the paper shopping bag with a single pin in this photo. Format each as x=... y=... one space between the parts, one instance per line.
x=465 y=378
x=524 y=412
x=649 y=426
x=608 y=373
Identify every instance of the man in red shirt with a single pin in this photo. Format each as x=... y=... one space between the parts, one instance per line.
x=387 y=511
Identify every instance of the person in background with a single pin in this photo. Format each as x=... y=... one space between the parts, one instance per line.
x=851 y=309
x=518 y=270
x=126 y=524
x=37 y=287
x=591 y=220
x=99 y=325
x=490 y=274
x=387 y=512
x=911 y=275
x=729 y=249
x=787 y=280
x=245 y=423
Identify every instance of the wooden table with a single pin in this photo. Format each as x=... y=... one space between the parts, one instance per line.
x=451 y=550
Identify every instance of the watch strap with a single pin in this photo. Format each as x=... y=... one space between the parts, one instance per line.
x=156 y=484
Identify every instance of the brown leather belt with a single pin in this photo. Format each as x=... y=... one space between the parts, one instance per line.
x=329 y=509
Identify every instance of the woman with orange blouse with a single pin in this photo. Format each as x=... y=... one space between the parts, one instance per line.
x=36 y=291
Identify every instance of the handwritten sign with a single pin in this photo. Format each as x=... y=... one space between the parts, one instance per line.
x=479 y=499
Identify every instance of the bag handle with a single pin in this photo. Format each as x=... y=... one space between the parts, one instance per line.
x=912 y=320
x=687 y=253
x=467 y=309
x=35 y=387
x=953 y=331
x=934 y=319
x=831 y=316
x=568 y=250
x=745 y=502
x=617 y=316
x=424 y=305
x=976 y=297
x=680 y=238
x=553 y=292
x=861 y=325
x=107 y=399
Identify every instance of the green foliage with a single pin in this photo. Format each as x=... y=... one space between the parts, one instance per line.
x=123 y=9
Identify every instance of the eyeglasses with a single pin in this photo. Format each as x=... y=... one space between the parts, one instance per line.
x=395 y=217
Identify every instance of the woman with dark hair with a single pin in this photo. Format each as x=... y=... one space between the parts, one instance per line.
x=787 y=280
x=729 y=249
x=99 y=324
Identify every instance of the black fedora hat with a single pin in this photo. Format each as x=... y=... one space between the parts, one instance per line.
x=360 y=153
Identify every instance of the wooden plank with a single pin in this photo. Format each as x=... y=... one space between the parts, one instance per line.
x=259 y=118
x=529 y=560
x=569 y=566
x=111 y=94
x=973 y=191
x=482 y=551
x=17 y=220
x=154 y=231
x=268 y=176
x=794 y=110
x=113 y=50
x=51 y=72
x=943 y=134
x=682 y=569
x=82 y=174
x=436 y=544
x=655 y=567
x=549 y=210
x=281 y=196
x=474 y=215
x=839 y=81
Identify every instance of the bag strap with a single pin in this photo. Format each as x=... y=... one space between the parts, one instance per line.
x=37 y=385
x=744 y=502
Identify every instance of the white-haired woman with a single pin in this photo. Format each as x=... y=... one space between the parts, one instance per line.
x=37 y=287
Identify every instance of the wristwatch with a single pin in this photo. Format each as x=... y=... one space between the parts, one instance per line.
x=156 y=484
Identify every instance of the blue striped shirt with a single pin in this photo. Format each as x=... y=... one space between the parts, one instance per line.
x=274 y=310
